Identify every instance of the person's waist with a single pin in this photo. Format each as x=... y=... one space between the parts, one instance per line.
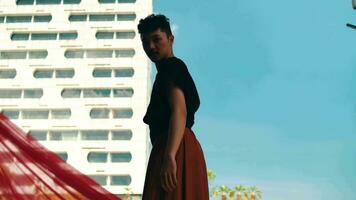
x=158 y=127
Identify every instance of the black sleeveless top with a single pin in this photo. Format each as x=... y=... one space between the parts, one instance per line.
x=158 y=113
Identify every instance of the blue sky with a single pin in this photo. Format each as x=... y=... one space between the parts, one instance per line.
x=277 y=84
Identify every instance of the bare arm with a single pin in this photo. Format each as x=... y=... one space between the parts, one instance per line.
x=175 y=134
x=177 y=121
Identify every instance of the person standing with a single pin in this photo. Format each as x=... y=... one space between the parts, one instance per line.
x=176 y=167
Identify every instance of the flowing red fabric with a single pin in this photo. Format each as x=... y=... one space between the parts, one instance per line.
x=28 y=171
x=192 y=178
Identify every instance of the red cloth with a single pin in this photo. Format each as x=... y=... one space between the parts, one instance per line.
x=191 y=171
x=28 y=171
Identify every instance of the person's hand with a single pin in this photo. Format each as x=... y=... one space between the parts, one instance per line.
x=169 y=173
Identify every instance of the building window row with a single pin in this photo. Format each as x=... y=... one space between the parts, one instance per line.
x=48 y=73
x=102 y=17
x=95 y=113
x=25 y=18
x=21 y=93
x=96 y=92
x=46 y=2
x=105 y=157
x=71 y=35
x=117 y=35
x=69 y=73
x=107 y=72
x=71 y=18
x=116 y=1
x=82 y=135
x=54 y=2
x=68 y=93
x=121 y=53
x=37 y=114
x=100 y=53
x=113 y=180
x=45 y=36
x=111 y=113
x=32 y=54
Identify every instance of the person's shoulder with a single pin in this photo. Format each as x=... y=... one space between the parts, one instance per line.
x=173 y=64
x=178 y=61
x=178 y=64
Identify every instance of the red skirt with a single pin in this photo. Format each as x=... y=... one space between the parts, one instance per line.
x=191 y=171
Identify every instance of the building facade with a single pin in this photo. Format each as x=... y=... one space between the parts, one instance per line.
x=73 y=74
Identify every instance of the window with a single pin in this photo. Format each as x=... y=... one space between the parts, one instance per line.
x=120 y=157
x=104 y=35
x=71 y=1
x=48 y=2
x=33 y=93
x=35 y=114
x=10 y=94
x=114 y=1
x=63 y=155
x=12 y=114
x=39 y=135
x=124 y=53
x=68 y=36
x=24 y=2
x=7 y=74
x=122 y=113
x=13 y=55
x=127 y=1
x=71 y=93
x=38 y=54
x=119 y=35
x=63 y=135
x=2 y=19
x=98 y=157
x=18 y=19
x=126 y=17
x=106 y=1
x=125 y=92
x=43 y=36
x=120 y=180
x=125 y=35
x=95 y=135
x=43 y=73
x=64 y=73
x=124 y=72
x=99 y=113
x=96 y=93
x=20 y=36
x=99 y=53
x=42 y=18
x=100 y=179
x=121 y=135
x=101 y=73
x=77 y=18
x=61 y=114
x=74 y=54
x=101 y=17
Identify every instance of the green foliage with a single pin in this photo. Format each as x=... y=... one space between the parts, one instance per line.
x=239 y=192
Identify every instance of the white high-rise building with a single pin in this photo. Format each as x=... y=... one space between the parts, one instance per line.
x=74 y=75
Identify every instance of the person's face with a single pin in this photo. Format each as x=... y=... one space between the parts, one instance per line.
x=157 y=45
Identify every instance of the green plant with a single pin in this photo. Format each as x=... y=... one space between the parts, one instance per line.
x=240 y=190
x=256 y=192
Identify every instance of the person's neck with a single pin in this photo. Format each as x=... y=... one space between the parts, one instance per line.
x=170 y=55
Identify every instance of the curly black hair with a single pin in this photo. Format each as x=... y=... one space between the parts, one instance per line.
x=153 y=22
